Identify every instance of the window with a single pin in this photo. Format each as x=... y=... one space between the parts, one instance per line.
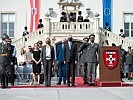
x=7 y=23
x=128 y=24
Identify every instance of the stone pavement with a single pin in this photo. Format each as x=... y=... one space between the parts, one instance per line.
x=90 y=93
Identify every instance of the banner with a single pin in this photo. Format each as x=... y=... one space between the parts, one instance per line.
x=107 y=13
x=34 y=14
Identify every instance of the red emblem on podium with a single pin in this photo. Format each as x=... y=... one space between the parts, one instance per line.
x=111 y=58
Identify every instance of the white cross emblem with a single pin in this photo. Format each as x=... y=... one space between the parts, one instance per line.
x=110 y=59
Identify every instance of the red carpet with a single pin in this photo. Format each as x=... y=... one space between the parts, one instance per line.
x=79 y=84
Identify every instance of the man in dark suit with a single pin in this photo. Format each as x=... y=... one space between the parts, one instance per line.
x=60 y=62
x=48 y=58
x=70 y=59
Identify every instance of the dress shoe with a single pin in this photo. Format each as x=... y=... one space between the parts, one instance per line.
x=48 y=85
x=64 y=83
x=73 y=85
x=89 y=84
x=68 y=85
x=85 y=82
x=59 y=83
x=12 y=84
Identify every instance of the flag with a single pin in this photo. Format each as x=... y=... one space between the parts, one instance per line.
x=107 y=13
x=34 y=14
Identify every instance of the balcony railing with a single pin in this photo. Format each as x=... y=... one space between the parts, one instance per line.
x=72 y=27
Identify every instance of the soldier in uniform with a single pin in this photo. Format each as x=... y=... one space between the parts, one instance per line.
x=4 y=61
x=83 y=51
x=91 y=58
x=80 y=18
x=13 y=61
x=63 y=17
x=71 y=17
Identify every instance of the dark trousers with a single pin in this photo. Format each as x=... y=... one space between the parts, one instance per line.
x=121 y=70
x=12 y=75
x=4 y=79
x=129 y=73
x=47 y=71
x=85 y=73
x=70 y=71
x=62 y=72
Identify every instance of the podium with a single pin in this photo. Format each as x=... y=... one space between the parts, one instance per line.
x=109 y=66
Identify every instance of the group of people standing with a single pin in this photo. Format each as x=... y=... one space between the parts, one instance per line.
x=44 y=55
x=67 y=58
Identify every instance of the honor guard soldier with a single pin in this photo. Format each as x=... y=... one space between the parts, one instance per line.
x=4 y=61
x=63 y=17
x=80 y=18
x=13 y=61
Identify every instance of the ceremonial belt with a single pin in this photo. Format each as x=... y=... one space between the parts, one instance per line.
x=4 y=54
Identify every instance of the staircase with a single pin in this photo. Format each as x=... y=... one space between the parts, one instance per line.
x=114 y=38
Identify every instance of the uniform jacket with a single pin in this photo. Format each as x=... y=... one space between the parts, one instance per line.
x=5 y=61
x=90 y=53
x=129 y=58
x=80 y=19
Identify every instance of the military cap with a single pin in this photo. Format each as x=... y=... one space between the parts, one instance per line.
x=121 y=30
x=79 y=12
x=4 y=36
x=63 y=13
x=40 y=20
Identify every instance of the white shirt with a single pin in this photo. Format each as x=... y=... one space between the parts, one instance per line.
x=21 y=59
x=69 y=43
x=48 y=53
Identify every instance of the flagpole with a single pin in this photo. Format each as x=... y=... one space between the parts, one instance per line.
x=26 y=12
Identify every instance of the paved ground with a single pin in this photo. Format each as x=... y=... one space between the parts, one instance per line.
x=84 y=93
x=100 y=93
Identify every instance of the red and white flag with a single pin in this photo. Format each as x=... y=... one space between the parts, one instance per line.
x=34 y=14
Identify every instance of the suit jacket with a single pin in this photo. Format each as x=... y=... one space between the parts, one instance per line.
x=43 y=53
x=70 y=53
x=59 y=53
